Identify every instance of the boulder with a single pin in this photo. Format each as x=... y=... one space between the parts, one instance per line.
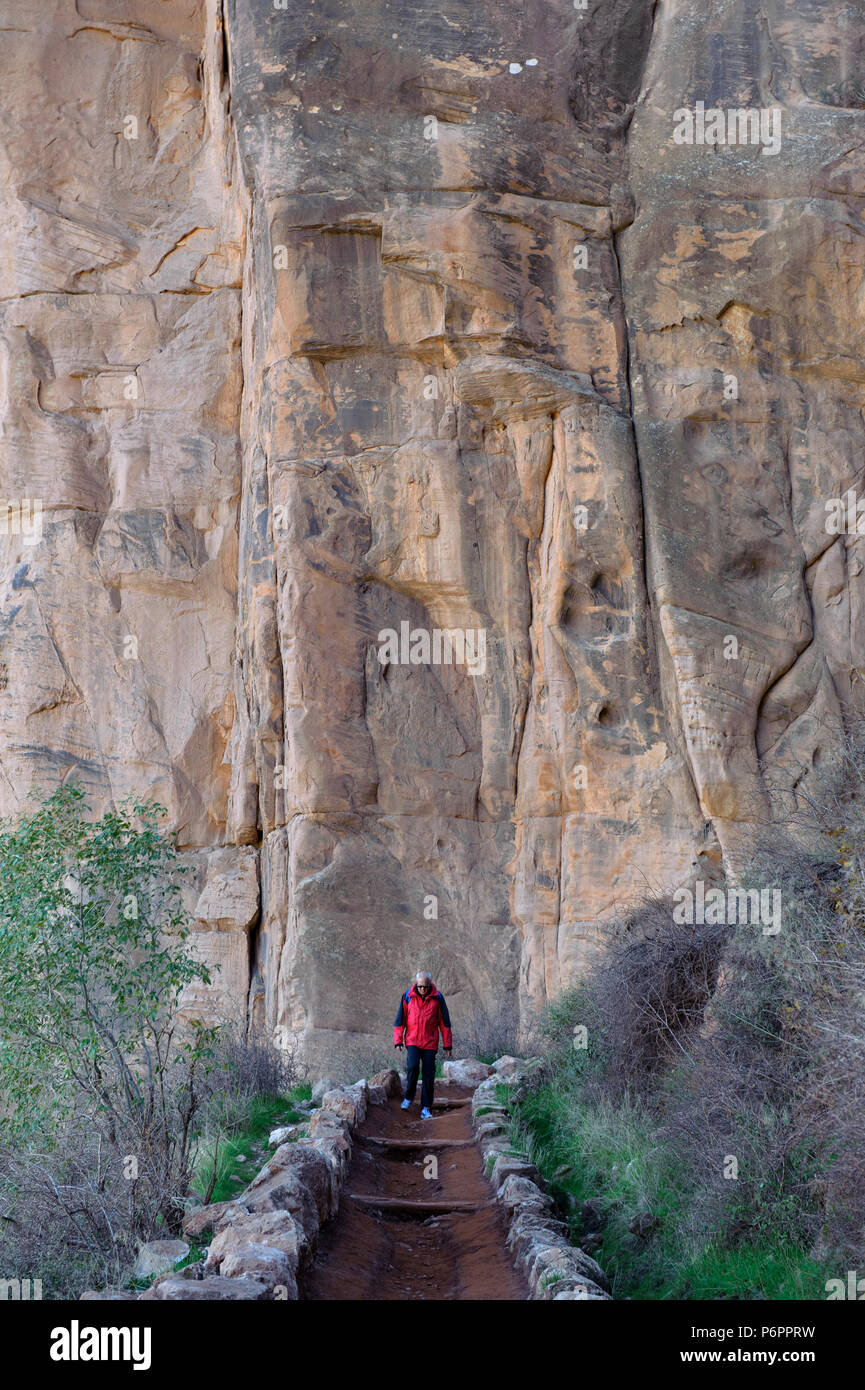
x=286 y=1191
x=283 y=1134
x=527 y=1225
x=390 y=1079
x=377 y=1095
x=321 y=1088
x=518 y=1193
x=588 y=1268
x=337 y=1151
x=526 y=1240
x=492 y=1148
x=214 y=1288
x=541 y=1246
x=157 y=1256
x=326 y=1124
x=360 y=1091
x=496 y=1143
x=488 y=1126
x=548 y=1254
x=467 y=1071
x=344 y=1103
x=508 y=1066
x=545 y=1261
x=191 y=1271
x=500 y=1119
x=277 y=1230
x=296 y=1179
x=263 y=1263
x=507 y=1165
x=301 y=1159
x=486 y=1095
x=203 y=1220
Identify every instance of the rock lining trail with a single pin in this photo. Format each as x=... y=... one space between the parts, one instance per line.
x=400 y=1235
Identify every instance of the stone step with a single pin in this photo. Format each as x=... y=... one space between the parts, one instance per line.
x=451 y=1104
x=433 y=1206
x=395 y=1143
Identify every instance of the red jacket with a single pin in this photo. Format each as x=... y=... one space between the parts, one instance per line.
x=419 y=1020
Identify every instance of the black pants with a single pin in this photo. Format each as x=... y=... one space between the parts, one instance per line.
x=415 y=1059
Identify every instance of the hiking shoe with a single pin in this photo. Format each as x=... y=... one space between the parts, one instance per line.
x=405 y=1105
x=426 y=1114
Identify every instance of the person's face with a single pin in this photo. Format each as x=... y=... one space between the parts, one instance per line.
x=423 y=987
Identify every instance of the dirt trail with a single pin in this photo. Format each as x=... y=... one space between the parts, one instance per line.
x=407 y=1240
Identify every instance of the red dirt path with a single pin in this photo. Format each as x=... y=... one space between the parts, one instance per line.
x=391 y=1255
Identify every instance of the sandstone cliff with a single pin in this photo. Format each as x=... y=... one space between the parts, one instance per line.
x=323 y=318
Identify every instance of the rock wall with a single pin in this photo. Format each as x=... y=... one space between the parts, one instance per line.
x=322 y=322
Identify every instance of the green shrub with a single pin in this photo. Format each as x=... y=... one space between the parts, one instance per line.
x=102 y=1091
x=109 y=1104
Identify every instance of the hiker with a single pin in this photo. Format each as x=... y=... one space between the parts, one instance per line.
x=422 y=1012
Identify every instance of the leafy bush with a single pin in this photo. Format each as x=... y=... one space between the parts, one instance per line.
x=92 y=963
x=101 y=1091
x=109 y=1105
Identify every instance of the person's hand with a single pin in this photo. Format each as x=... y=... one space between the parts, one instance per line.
x=448 y=1051
x=399 y=1045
